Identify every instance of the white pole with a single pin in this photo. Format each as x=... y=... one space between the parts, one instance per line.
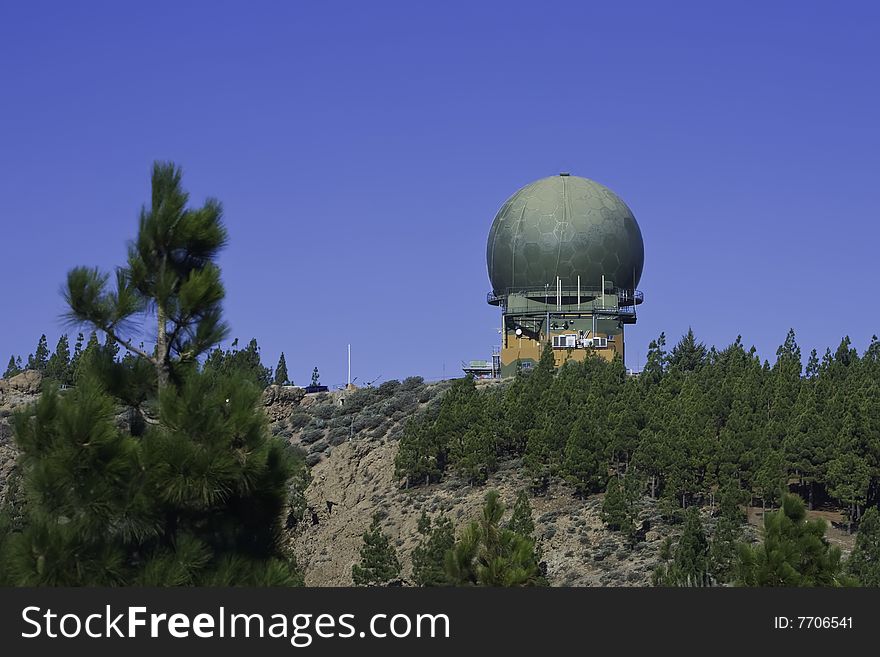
x=349 y=364
x=579 y=292
x=603 y=291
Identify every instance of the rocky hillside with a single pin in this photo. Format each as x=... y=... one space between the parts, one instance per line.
x=15 y=392
x=350 y=439
x=358 y=478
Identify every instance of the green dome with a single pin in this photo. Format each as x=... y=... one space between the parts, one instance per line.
x=564 y=226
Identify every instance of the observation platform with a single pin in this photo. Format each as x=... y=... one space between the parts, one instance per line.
x=614 y=302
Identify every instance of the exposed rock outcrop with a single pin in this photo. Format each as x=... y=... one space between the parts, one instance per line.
x=15 y=393
x=20 y=389
x=280 y=400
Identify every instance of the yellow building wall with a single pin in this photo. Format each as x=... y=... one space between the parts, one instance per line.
x=524 y=348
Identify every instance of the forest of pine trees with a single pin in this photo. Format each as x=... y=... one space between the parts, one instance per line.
x=62 y=368
x=695 y=422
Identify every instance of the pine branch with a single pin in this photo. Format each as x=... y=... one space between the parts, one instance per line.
x=127 y=344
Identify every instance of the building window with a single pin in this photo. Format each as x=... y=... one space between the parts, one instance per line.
x=565 y=341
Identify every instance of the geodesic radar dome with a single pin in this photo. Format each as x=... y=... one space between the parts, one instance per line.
x=564 y=226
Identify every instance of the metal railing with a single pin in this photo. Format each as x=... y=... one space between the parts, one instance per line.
x=626 y=299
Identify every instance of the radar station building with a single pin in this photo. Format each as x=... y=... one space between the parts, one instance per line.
x=564 y=258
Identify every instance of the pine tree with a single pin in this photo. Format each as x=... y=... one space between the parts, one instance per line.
x=848 y=479
x=131 y=514
x=239 y=362
x=111 y=347
x=849 y=472
x=39 y=360
x=657 y=360
x=845 y=354
x=690 y=559
x=87 y=357
x=545 y=450
x=316 y=377
x=807 y=443
x=794 y=552
x=281 y=377
x=379 y=564
x=730 y=500
x=420 y=458
x=770 y=478
x=584 y=461
x=171 y=272
x=723 y=548
x=688 y=355
x=13 y=368
x=619 y=505
x=651 y=457
x=473 y=455
x=252 y=363
x=784 y=387
x=521 y=518
x=812 y=369
x=864 y=562
x=544 y=372
x=459 y=434
x=58 y=367
x=429 y=556
x=193 y=498
x=79 y=468
x=487 y=554
x=220 y=479
x=75 y=358
x=627 y=422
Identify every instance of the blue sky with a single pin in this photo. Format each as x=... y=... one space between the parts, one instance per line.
x=361 y=151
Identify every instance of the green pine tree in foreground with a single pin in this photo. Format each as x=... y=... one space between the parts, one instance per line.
x=195 y=496
x=171 y=274
x=794 y=552
x=488 y=554
x=379 y=564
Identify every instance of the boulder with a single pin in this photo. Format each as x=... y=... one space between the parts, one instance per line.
x=26 y=383
x=279 y=400
x=19 y=390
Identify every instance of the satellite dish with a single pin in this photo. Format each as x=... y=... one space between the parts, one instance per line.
x=519 y=331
